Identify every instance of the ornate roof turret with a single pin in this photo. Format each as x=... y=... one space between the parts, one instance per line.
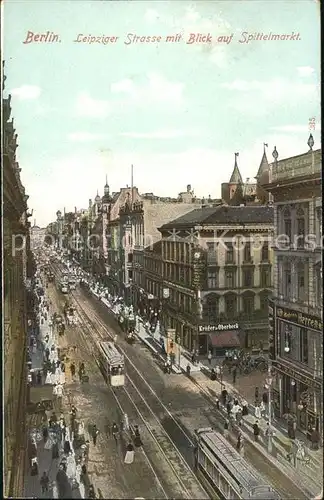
x=97 y=198
x=264 y=165
x=236 y=177
x=106 y=188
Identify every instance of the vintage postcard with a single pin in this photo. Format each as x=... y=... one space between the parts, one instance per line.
x=162 y=242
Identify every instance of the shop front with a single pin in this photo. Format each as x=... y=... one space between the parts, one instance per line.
x=298 y=395
x=219 y=338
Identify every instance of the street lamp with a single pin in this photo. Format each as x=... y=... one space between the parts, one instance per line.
x=268 y=386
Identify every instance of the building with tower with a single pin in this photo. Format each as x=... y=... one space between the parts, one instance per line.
x=238 y=192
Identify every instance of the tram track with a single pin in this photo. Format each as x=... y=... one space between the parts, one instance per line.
x=144 y=403
x=136 y=404
x=283 y=484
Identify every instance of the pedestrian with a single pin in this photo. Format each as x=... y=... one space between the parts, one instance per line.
x=114 y=431
x=224 y=396
x=84 y=478
x=228 y=408
x=94 y=434
x=256 y=431
x=55 y=449
x=239 y=416
x=44 y=482
x=217 y=403
x=67 y=447
x=39 y=377
x=315 y=439
x=188 y=370
x=45 y=433
x=226 y=428
x=265 y=398
x=209 y=357
x=137 y=437
x=258 y=412
x=129 y=457
x=59 y=395
x=239 y=441
x=234 y=375
x=245 y=408
x=125 y=423
x=53 y=418
x=73 y=412
x=193 y=357
x=256 y=395
x=91 y=492
x=34 y=467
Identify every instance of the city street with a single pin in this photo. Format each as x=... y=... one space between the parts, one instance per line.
x=151 y=475
x=174 y=405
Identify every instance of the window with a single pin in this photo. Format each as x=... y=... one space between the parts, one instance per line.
x=300 y=228
x=229 y=253
x=211 y=308
x=231 y=305
x=212 y=279
x=247 y=252
x=303 y=345
x=318 y=226
x=247 y=277
x=287 y=279
x=211 y=253
x=319 y=285
x=230 y=279
x=287 y=223
x=265 y=277
x=301 y=281
x=264 y=301
x=248 y=304
x=265 y=252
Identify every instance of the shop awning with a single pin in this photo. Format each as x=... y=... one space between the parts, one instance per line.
x=225 y=339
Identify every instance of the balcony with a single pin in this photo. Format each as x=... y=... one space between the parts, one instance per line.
x=308 y=164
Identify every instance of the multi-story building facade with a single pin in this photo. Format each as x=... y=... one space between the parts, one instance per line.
x=37 y=236
x=133 y=223
x=217 y=270
x=17 y=272
x=296 y=308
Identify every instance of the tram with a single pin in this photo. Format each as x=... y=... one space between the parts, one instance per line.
x=224 y=471
x=112 y=363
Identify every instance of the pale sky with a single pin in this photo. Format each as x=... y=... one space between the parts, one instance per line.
x=176 y=111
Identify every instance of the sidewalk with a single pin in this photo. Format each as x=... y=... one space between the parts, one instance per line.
x=307 y=476
x=35 y=426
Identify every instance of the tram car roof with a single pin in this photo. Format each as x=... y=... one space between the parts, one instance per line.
x=111 y=353
x=215 y=446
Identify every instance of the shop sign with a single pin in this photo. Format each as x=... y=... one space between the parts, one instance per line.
x=217 y=328
x=297 y=376
x=299 y=318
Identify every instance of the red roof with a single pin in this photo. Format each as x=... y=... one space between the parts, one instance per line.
x=225 y=339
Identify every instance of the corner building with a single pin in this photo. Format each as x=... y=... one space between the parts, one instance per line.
x=295 y=311
x=217 y=270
